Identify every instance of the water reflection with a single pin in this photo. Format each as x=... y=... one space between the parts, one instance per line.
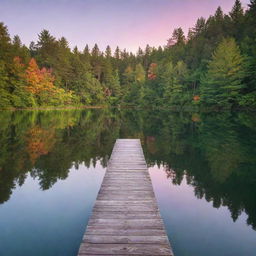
x=217 y=154
x=194 y=226
x=215 y=151
x=49 y=222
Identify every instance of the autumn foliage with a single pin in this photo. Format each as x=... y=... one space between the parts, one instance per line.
x=18 y=63
x=196 y=98
x=39 y=142
x=38 y=80
x=152 y=71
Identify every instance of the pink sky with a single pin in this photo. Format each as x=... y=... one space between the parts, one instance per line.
x=129 y=24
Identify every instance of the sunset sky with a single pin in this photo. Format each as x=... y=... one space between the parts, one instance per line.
x=127 y=23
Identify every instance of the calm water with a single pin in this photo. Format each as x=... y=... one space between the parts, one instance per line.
x=203 y=169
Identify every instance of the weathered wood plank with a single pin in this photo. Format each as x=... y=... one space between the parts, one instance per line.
x=125 y=249
x=98 y=239
x=125 y=208
x=127 y=232
x=124 y=222
x=125 y=218
x=124 y=215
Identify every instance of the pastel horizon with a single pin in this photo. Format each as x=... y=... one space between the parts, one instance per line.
x=127 y=24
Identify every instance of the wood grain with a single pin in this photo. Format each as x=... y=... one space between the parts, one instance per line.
x=125 y=219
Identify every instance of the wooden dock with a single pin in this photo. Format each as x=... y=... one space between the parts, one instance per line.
x=125 y=218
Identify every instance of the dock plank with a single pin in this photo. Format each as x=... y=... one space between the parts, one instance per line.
x=125 y=219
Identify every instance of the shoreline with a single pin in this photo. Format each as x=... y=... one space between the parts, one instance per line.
x=54 y=108
x=171 y=108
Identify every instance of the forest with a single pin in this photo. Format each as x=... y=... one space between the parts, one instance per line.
x=214 y=66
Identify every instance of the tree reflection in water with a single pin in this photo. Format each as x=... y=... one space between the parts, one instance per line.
x=215 y=152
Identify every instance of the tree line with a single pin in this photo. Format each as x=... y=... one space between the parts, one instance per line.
x=213 y=66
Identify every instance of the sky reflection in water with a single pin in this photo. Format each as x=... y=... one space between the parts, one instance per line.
x=191 y=222
x=49 y=222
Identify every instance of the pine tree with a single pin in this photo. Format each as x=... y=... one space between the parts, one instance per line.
x=172 y=80
x=95 y=51
x=47 y=48
x=128 y=75
x=5 y=96
x=237 y=20
x=140 y=73
x=140 y=53
x=62 y=67
x=5 y=44
x=237 y=12
x=76 y=51
x=199 y=27
x=223 y=81
x=116 y=84
x=117 y=53
x=178 y=36
x=218 y=16
x=19 y=50
x=86 y=50
x=108 y=52
x=32 y=49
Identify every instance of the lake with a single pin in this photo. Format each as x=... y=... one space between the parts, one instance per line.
x=202 y=166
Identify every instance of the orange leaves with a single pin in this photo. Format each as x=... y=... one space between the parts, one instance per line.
x=196 y=98
x=47 y=79
x=18 y=68
x=39 y=142
x=17 y=62
x=38 y=80
x=152 y=71
x=33 y=77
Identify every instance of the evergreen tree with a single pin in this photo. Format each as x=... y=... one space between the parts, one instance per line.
x=16 y=42
x=200 y=26
x=237 y=12
x=237 y=20
x=178 y=36
x=95 y=51
x=223 y=81
x=5 y=44
x=96 y=62
x=140 y=53
x=139 y=73
x=128 y=75
x=108 y=52
x=46 y=49
x=172 y=80
x=62 y=67
x=5 y=99
x=218 y=16
x=32 y=49
x=86 y=51
x=117 y=53
x=203 y=62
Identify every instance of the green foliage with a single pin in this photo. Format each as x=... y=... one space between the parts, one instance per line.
x=139 y=73
x=5 y=96
x=214 y=66
x=248 y=100
x=215 y=152
x=223 y=82
x=173 y=80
